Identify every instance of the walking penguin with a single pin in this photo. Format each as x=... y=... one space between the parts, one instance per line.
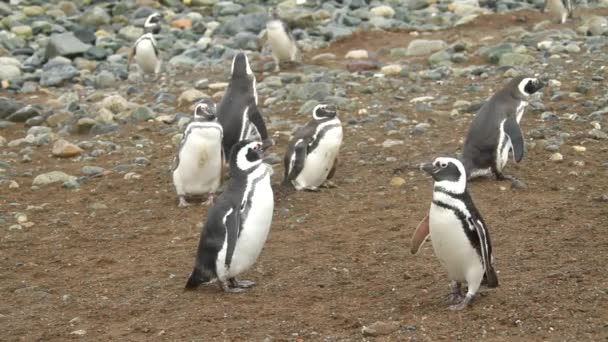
x=145 y=50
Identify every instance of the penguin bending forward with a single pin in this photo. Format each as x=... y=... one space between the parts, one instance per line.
x=145 y=50
x=238 y=112
x=312 y=154
x=238 y=223
x=459 y=235
x=282 y=42
x=495 y=130
x=198 y=165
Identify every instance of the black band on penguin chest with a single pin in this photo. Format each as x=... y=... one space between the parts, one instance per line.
x=319 y=136
x=248 y=201
x=469 y=231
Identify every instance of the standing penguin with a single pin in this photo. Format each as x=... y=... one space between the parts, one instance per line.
x=282 y=43
x=145 y=50
x=312 y=155
x=495 y=130
x=199 y=162
x=238 y=224
x=561 y=9
x=459 y=235
x=238 y=112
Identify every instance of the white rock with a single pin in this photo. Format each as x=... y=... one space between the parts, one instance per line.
x=556 y=157
x=357 y=54
x=391 y=142
x=218 y=86
x=422 y=99
x=382 y=11
x=391 y=69
x=555 y=83
x=2 y=141
x=579 y=148
x=80 y=332
x=13 y=185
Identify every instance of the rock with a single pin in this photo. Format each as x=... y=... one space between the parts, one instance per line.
x=576 y=148
x=380 y=328
x=190 y=96
x=362 y=65
x=9 y=72
x=421 y=128
x=24 y=114
x=382 y=11
x=391 y=69
x=598 y=134
x=357 y=54
x=515 y=59
x=85 y=125
x=98 y=206
x=92 y=170
x=2 y=141
x=52 y=177
x=65 y=44
x=142 y=113
x=182 y=23
x=218 y=86
x=115 y=103
x=130 y=33
x=8 y=106
x=317 y=91
x=556 y=157
x=56 y=72
x=323 y=56
x=391 y=142
x=64 y=149
x=79 y=332
x=397 y=181
x=24 y=31
x=95 y=16
x=420 y=47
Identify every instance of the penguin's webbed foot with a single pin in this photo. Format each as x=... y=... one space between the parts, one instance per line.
x=515 y=183
x=210 y=200
x=311 y=189
x=455 y=295
x=228 y=289
x=463 y=304
x=241 y=284
x=182 y=202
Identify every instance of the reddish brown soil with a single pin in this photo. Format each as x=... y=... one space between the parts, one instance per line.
x=334 y=261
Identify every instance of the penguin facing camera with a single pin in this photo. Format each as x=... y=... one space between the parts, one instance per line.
x=238 y=223
x=198 y=165
x=495 y=131
x=312 y=154
x=459 y=235
x=145 y=50
x=282 y=43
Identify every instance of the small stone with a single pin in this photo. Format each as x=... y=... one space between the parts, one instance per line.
x=579 y=148
x=397 y=181
x=391 y=142
x=182 y=23
x=13 y=185
x=357 y=54
x=380 y=328
x=556 y=157
x=92 y=170
x=64 y=149
x=15 y=227
x=132 y=175
x=71 y=184
x=362 y=65
x=85 y=125
x=52 y=177
x=218 y=86
x=98 y=206
x=190 y=96
x=80 y=332
x=382 y=11
x=391 y=69
x=418 y=47
x=323 y=56
x=421 y=128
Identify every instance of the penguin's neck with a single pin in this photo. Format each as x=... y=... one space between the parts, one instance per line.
x=454 y=188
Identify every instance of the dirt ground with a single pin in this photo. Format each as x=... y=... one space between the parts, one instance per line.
x=335 y=260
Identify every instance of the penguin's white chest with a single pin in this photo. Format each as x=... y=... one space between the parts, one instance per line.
x=321 y=160
x=200 y=162
x=502 y=148
x=451 y=245
x=145 y=56
x=256 y=225
x=283 y=48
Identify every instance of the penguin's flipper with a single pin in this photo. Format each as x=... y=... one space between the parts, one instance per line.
x=132 y=53
x=297 y=159
x=517 y=140
x=222 y=167
x=232 y=222
x=484 y=251
x=256 y=118
x=420 y=235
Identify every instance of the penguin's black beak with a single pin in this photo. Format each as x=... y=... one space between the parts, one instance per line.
x=428 y=168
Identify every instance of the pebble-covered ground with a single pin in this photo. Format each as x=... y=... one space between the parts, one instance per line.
x=94 y=247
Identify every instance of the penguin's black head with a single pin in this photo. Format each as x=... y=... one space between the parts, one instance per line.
x=273 y=13
x=205 y=111
x=449 y=173
x=324 y=111
x=528 y=85
x=246 y=155
x=153 y=22
x=240 y=66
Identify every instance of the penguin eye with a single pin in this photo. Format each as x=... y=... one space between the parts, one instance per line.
x=443 y=165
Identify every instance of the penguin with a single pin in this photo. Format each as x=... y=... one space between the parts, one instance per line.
x=282 y=42
x=459 y=235
x=238 y=223
x=495 y=130
x=238 y=112
x=198 y=165
x=145 y=50
x=561 y=9
x=312 y=154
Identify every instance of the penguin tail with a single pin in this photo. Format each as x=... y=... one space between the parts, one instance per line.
x=196 y=278
x=491 y=278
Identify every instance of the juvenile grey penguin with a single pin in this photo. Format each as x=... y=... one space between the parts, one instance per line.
x=199 y=163
x=238 y=112
x=145 y=50
x=312 y=154
x=495 y=130
x=282 y=42
x=238 y=223
x=459 y=235
x=560 y=9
